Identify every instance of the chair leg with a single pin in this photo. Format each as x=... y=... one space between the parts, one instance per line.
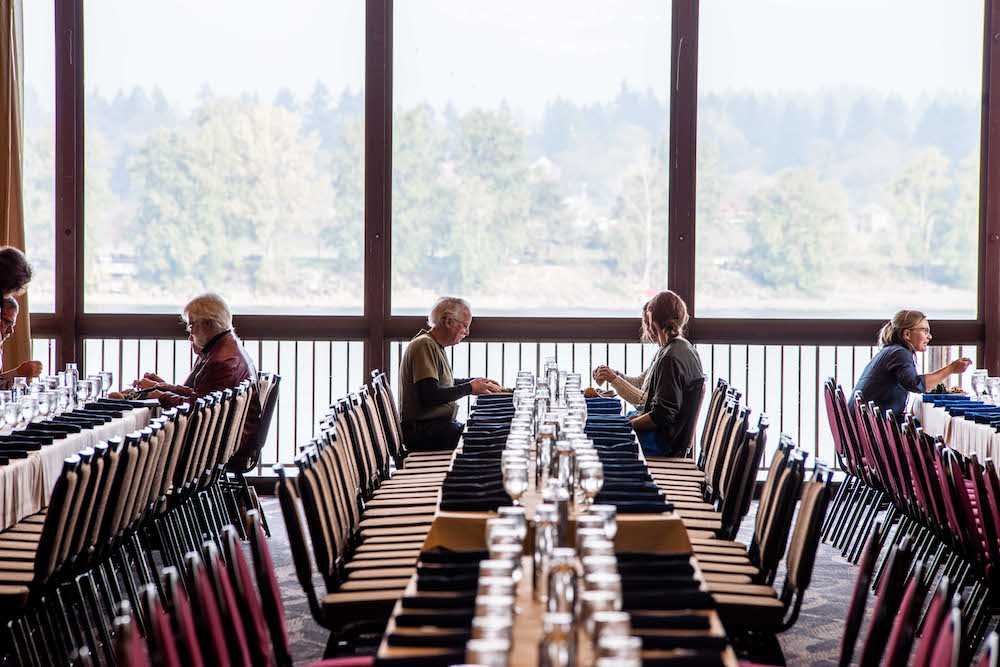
x=102 y=618
x=850 y=520
x=89 y=621
x=839 y=501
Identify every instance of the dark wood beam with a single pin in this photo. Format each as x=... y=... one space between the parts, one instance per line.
x=989 y=188
x=378 y=177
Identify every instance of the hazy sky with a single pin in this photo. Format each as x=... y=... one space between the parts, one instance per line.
x=476 y=53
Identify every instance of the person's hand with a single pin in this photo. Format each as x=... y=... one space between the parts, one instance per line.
x=145 y=383
x=604 y=374
x=960 y=365
x=154 y=377
x=482 y=386
x=495 y=386
x=29 y=369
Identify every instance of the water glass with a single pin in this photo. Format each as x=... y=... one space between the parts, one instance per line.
x=978 y=381
x=518 y=517
x=26 y=406
x=558 y=645
x=11 y=413
x=515 y=481
x=583 y=535
x=610 y=624
x=511 y=553
x=605 y=581
x=488 y=586
x=498 y=525
x=495 y=605
x=81 y=391
x=597 y=547
x=487 y=652
x=63 y=400
x=609 y=514
x=993 y=384
x=592 y=602
x=20 y=387
x=621 y=648
x=95 y=386
x=43 y=403
x=496 y=568
x=491 y=627
x=595 y=564
x=591 y=480
x=107 y=379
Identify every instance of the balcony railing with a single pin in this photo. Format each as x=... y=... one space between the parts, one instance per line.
x=783 y=381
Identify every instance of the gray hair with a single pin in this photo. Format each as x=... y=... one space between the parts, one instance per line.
x=447 y=306
x=9 y=302
x=211 y=307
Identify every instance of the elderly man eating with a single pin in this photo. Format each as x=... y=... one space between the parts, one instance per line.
x=428 y=392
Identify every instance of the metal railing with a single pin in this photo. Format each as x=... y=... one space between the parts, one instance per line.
x=782 y=381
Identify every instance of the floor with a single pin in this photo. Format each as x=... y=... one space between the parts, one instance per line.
x=814 y=640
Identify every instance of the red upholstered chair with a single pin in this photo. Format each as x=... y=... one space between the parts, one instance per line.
x=948 y=643
x=936 y=615
x=991 y=648
x=267 y=585
x=888 y=597
x=179 y=607
x=130 y=649
x=859 y=598
x=159 y=634
x=229 y=612
x=897 y=652
x=247 y=599
x=210 y=630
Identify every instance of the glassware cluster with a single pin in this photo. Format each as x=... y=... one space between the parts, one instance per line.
x=50 y=395
x=574 y=573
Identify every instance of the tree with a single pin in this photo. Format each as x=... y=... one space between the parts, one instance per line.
x=920 y=201
x=795 y=228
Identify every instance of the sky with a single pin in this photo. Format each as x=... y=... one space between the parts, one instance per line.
x=477 y=53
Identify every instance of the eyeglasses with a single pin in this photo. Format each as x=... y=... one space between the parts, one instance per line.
x=190 y=325
x=926 y=330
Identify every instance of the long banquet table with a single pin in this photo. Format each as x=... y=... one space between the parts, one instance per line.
x=26 y=484
x=662 y=534
x=964 y=435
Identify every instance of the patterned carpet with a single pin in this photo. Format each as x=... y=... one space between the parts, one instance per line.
x=813 y=640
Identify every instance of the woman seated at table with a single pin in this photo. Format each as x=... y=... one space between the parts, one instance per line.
x=222 y=363
x=675 y=381
x=892 y=374
x=632 y=389
x=427 y=390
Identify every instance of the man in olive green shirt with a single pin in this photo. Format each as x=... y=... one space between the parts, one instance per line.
x=427 y=389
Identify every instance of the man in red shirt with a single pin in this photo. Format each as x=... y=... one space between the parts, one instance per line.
x=222 y=363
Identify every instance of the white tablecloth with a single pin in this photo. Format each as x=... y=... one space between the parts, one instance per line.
x=26 y=484
x=963 y=435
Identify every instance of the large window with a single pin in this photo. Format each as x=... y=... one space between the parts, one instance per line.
x=530 y=155
x=224 y=145
x=838 y=158
x=39 y=165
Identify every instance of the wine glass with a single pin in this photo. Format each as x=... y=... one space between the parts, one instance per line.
x=515 y=480
x=517 y=516
x=591 y=480
x=20 y=386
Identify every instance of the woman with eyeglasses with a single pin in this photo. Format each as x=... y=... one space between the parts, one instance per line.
x=892 y=375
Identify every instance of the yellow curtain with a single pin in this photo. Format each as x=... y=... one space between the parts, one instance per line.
x=12 y=132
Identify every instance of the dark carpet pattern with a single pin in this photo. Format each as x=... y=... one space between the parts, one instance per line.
x=814 y=640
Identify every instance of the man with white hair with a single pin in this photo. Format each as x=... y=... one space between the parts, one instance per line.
x=222 y=363
x=427 y=390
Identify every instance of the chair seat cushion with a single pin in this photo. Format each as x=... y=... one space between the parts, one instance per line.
x=382 y=573
x=372 y=564
x=399 y=511
x=13 y=597
x=749 y=611
x=396 y=584
x=728 y=568
x=397 y=521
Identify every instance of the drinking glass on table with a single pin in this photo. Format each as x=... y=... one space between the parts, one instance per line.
x=978 y=381
x=81 y=391
x=518 y=517
x=43 y=403
x=487 y=652
x=107 y=378
x=591 y=480
x=993 y=386
x=26 y=409
x=515 y=480
x=609 y=514
x=20 y=387
x=95 y=386
x=63 y=401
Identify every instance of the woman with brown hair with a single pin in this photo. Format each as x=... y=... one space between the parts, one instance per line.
x=631 y=388
x=675 y=382
x=892 y=373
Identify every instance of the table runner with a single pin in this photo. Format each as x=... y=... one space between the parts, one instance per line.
x=26 y=484
x=961 y=434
